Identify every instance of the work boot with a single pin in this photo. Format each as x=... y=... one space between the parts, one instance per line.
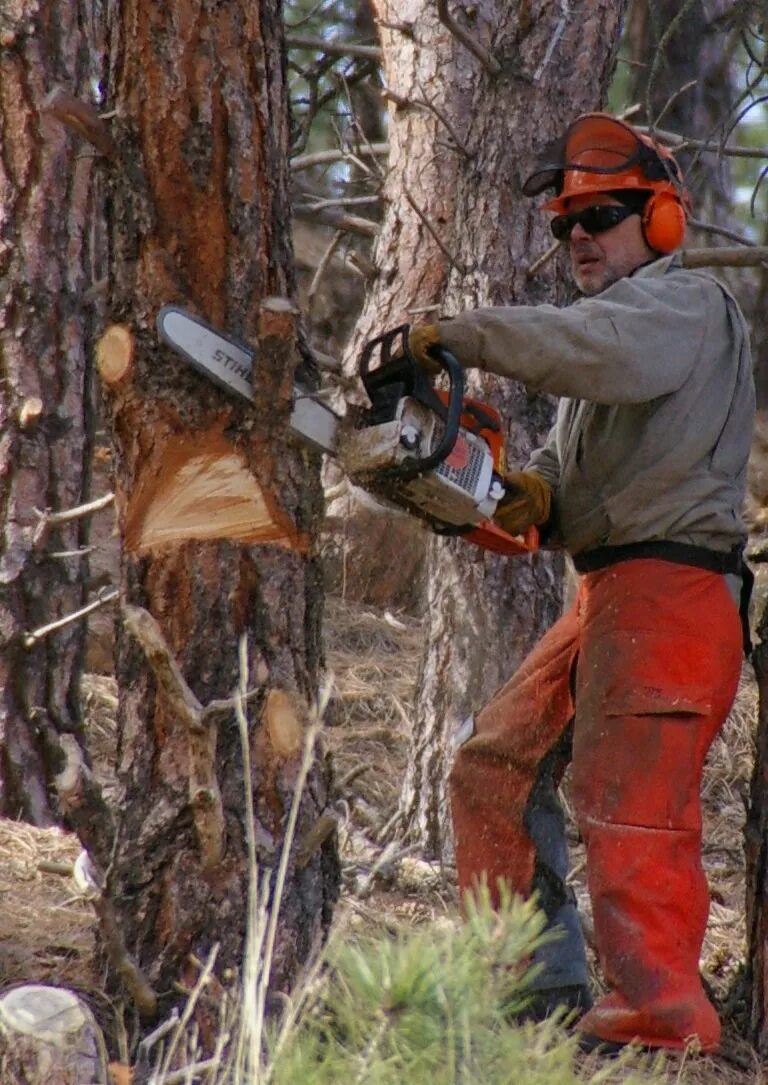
x=572 y=1002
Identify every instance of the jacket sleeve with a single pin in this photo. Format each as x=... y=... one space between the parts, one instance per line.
x=546 y=462
x=636 y=341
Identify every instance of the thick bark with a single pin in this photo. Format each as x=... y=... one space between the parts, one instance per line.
x=199 y=215
x=756 y=839
x=50 y=208
x=462 y=140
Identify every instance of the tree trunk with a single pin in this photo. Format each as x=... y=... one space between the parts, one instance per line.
x=217 y=510
x=681 y=74
x=50 y=209
x=458 y=233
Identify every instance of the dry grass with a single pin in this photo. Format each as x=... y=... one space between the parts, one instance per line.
x=47 y=930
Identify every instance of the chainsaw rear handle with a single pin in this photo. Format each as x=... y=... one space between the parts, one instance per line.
x=403 y=369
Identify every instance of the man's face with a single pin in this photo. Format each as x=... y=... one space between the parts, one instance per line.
x=601 y=259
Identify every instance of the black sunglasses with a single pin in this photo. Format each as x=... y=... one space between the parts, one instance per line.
x=594 y=220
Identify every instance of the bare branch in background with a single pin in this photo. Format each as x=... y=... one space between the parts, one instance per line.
x=334 y=48
x=322 y=267
x=351 y=224
x=327 y=158
x=671 y=101
x=721 y=231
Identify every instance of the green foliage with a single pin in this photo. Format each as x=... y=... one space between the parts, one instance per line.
x=435 y=1006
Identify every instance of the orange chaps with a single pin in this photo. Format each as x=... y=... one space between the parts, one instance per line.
x=657 y=651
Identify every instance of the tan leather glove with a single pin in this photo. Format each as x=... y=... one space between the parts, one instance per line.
x=420 y=339
x=528 y=501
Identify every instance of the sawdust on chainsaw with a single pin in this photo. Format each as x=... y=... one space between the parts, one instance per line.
x=47 y=929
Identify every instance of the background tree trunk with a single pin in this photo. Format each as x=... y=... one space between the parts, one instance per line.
x=50 y=253
x=217 y=510
x=459 y=234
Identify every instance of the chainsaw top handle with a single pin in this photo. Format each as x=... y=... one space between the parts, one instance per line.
x=398 y=374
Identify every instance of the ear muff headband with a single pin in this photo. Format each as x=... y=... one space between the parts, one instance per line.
x=663 y=222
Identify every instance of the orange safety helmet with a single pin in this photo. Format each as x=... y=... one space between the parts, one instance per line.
x=599 y=153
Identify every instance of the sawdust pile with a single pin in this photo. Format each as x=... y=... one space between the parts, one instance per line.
x=46 y=929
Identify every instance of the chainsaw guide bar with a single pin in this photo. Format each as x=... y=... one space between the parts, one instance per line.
x=435 y=454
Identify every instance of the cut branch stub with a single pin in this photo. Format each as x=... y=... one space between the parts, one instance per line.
x=81 y=118
x=114 y=353
x=201 y=488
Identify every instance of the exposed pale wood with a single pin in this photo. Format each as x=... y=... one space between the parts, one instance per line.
x=81 y=117
x=200 y=487
x=114 y=353
x=30 y=412
x=286 y=719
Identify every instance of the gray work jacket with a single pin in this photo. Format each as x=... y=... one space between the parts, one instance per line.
x=654 y=426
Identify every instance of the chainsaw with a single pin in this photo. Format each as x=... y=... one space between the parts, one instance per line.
x=435 y=453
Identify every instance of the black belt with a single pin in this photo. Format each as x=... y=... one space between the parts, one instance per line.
x=715 y=561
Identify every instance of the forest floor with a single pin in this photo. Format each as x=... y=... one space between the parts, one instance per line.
x=47 y=928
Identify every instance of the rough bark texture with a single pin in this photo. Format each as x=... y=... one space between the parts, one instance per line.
x=756 y=841
x=49 y=206
x=199 y=216
x=457 y=178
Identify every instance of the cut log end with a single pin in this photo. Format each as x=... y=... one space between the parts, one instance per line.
x=202 y=491
x=114 y=353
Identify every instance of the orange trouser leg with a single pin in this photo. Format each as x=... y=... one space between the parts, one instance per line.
x=495 y=770
x=660 y=657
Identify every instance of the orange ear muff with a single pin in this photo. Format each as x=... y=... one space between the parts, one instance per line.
x=664 y=222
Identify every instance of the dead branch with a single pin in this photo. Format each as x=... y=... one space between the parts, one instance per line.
x=678 y=142
x=326 y=158
x=539 y=263
x=451 y=259
x=429 y=105
x=133 y=979
x=79 y=511
x=322 y=267
x=334 y=48
x=81 y=118
x=204 y=794
x=721 y=231
x=743 y=257
x=29 y=640
x=352 y=224
x=114 y=353
x=489 y=62
x=313 y=840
